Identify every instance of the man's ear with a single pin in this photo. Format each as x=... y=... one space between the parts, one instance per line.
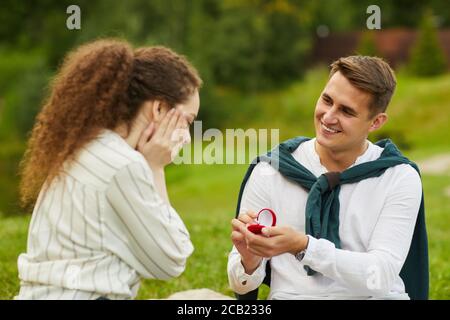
x=159 y=110
x=379 y=120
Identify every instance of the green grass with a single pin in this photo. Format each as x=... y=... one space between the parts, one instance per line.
x=13 y=233
x=205 y=195
x=437 y=206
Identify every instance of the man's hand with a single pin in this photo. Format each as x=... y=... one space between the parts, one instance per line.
x=275 y=241
x=239 y=225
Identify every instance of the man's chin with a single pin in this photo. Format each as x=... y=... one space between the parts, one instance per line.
x=326 y=142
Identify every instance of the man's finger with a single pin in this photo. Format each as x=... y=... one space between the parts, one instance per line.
x=237 y=236
x=261 y=245
x=238 y=225
x=272 y=231
x=252 y=214
x=245 y=218
x=257 y=240
x=252 y=238
x=257 y=252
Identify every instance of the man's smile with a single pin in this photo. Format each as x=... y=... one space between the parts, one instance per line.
x=329 y=129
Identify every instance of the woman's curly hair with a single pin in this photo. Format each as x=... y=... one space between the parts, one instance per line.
x=100 y=85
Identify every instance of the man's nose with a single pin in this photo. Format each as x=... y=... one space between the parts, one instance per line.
x=331 y=115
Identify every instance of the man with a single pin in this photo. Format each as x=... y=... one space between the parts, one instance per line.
x=344 y=235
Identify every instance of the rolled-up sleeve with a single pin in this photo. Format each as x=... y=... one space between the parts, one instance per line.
x=156 y=240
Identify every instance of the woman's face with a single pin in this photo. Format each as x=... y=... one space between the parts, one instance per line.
x=189 y=110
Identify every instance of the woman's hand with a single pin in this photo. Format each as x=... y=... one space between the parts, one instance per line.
x=157 y=144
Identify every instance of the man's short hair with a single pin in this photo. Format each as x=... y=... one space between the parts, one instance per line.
x=370 y=74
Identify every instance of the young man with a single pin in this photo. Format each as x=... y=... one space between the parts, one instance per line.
x=344 y=235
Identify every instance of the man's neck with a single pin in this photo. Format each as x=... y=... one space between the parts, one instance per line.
x=339 y=160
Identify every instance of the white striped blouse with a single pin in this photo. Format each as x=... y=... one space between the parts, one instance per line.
x=101 y=228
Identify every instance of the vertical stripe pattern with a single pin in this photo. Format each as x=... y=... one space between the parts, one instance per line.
x=101 y=228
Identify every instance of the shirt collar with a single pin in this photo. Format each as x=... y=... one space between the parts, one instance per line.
x=372 y=153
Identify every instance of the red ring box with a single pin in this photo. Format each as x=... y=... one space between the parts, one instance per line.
x=266 y=218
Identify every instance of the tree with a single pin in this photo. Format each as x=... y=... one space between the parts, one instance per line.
x=367 y=45
x=427 y=57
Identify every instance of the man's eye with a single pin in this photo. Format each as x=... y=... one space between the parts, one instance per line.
x=348 y=112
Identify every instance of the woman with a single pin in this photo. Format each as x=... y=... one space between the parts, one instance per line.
x=94 y=172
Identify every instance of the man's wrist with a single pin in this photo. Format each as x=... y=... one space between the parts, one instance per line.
x=250 y=265
x=300 y=254
x=300 y=244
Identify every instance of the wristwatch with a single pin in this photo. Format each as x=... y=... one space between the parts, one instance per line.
x=301 y=254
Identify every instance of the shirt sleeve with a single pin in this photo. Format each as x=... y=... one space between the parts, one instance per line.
x=156 y=240
x=373 y=273
x=256 y=196
x=241 y=282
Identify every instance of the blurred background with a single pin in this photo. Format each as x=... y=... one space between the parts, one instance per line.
x=264 y=64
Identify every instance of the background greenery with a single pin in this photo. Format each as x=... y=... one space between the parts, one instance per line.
x=254 y=58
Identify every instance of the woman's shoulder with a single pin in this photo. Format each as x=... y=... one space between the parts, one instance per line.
x=112 y=148
x=100 y=160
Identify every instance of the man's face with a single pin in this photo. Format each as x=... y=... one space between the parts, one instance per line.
x=341 y=118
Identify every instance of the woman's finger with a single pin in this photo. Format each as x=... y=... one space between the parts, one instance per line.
x=179 y=131
x=164 y=123
x=168 y=129
x=182 y=122
x=145 y=135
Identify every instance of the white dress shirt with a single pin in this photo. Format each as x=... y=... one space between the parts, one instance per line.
x=101 y=228
x=376 y=224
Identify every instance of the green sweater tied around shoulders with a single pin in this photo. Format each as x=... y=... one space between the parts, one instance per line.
x=322 y=206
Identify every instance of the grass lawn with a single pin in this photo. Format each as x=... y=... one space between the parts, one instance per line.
x=205 y=197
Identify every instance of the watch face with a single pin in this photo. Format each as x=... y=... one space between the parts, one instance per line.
x=299 y=256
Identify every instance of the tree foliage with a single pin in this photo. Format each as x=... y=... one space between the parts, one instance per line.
x=367 y=44
x=427 y=57
x=244 y=45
